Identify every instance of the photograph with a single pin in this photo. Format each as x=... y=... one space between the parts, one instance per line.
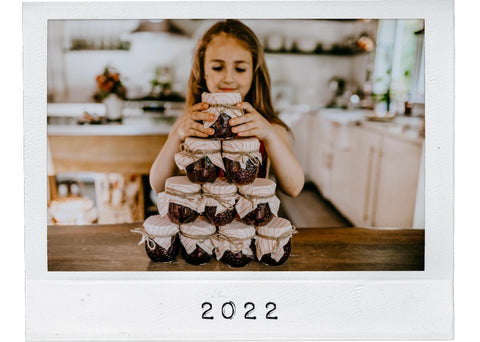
x=244 y=172
x=227 y=145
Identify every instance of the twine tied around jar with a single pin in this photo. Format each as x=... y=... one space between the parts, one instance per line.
x=251 y=198
x=197 y=153
x=186 y=195
x=237 y=243
x=200 y=238
x=150 y=239
x=224 y=106
x=223 y=199
x=277 y=239
x=240 y=154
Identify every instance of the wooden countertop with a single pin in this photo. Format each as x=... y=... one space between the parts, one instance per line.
x=115 y=248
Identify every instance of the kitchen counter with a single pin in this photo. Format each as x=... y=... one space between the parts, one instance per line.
x=115 y=248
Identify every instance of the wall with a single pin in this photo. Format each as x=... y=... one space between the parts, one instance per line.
x=295 y=78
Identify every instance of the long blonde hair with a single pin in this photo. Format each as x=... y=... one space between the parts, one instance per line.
x=259 y=93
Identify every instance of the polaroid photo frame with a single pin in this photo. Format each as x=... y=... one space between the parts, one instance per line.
x=317 y=305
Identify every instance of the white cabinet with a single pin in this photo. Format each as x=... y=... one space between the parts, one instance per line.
x=369 y=175
x=396 y=185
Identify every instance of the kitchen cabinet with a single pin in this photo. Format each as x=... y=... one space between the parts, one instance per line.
x=370 y=175
x=396 y=184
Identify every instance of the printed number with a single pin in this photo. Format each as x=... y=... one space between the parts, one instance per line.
x=247 y=314
x=204 y=315
x=228 y=310
x=272 y=310
x=232 y=310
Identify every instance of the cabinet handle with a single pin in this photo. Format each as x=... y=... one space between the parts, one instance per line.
x=369 y=181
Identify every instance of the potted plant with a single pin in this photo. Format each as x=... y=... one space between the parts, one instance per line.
x=111 y=92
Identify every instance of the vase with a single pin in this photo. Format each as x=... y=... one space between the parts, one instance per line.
x=113 y=108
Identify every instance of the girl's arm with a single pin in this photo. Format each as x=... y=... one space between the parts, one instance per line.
x=186 y=125
x=287 y=170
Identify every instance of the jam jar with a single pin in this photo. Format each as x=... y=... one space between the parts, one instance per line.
x=160 y=236
x=257 y=203
x=235 y=244
x=197 y=241
x=201 y=159
x=242 y=160
x=181 y=200
x=223 y=106
x=273 y=242
x=218 y=202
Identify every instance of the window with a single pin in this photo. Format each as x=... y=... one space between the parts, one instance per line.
x=399 y=63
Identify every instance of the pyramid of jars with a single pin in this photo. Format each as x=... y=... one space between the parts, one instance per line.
x=219 y=208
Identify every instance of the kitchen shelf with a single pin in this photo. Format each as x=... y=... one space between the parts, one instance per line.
x=339 y=52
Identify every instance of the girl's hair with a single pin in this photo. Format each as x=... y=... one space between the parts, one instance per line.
x=259 y=93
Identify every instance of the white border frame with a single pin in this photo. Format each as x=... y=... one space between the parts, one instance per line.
x=311 y=305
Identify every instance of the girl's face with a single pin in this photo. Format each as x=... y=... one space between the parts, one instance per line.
x=228 y=66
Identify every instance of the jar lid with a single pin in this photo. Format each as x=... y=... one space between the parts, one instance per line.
x=222 y=103
x=221 y=98
x=181 y=184
x=220 y=187
x=259 y=187
x=199 y=227
x=251 y=145
x=200 y=144
x=238 y=230
x=158 y=226
x=194 y=149
x=277 y=227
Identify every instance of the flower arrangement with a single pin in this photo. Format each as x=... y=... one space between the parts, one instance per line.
x=109 y=83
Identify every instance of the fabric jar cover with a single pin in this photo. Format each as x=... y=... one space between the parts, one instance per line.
x=235 y=237
x=272 y=237
x=222 y=103
x=158 y=229
x=262 y=190
x=179 y=190
x=241 y=150
x=198 y=233
x=220 y=194
x=194 y=149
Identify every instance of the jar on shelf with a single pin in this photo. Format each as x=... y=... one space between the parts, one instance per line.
x=218 y=202
x=235 y=244
x=242 y=160
x=201 y=159
x=257 y=203
x=223 y=106
x=160 y=236
x=180 y=201
x=197 y=241
x=273 y=242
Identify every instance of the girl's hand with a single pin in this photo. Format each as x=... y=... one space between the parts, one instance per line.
x=251 y=124
x=188 y=125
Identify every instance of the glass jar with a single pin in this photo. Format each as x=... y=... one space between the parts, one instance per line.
x=180 y=201
x=235 y=244
x=218 y=202
x=201 y=159
x=242 y=160
x=257 y=204
x=273 y=242
x=160 y=236
x=223 y=106
x=197 y=241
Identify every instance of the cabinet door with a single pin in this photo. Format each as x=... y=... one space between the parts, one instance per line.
x=341 y=168
x=319 y=156
x=396 y=187
x=366 y=146
x=300 y=141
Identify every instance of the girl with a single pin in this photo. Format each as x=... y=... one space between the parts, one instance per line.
x=229 y=58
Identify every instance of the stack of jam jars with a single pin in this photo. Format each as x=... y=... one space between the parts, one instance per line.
x=219 y=208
